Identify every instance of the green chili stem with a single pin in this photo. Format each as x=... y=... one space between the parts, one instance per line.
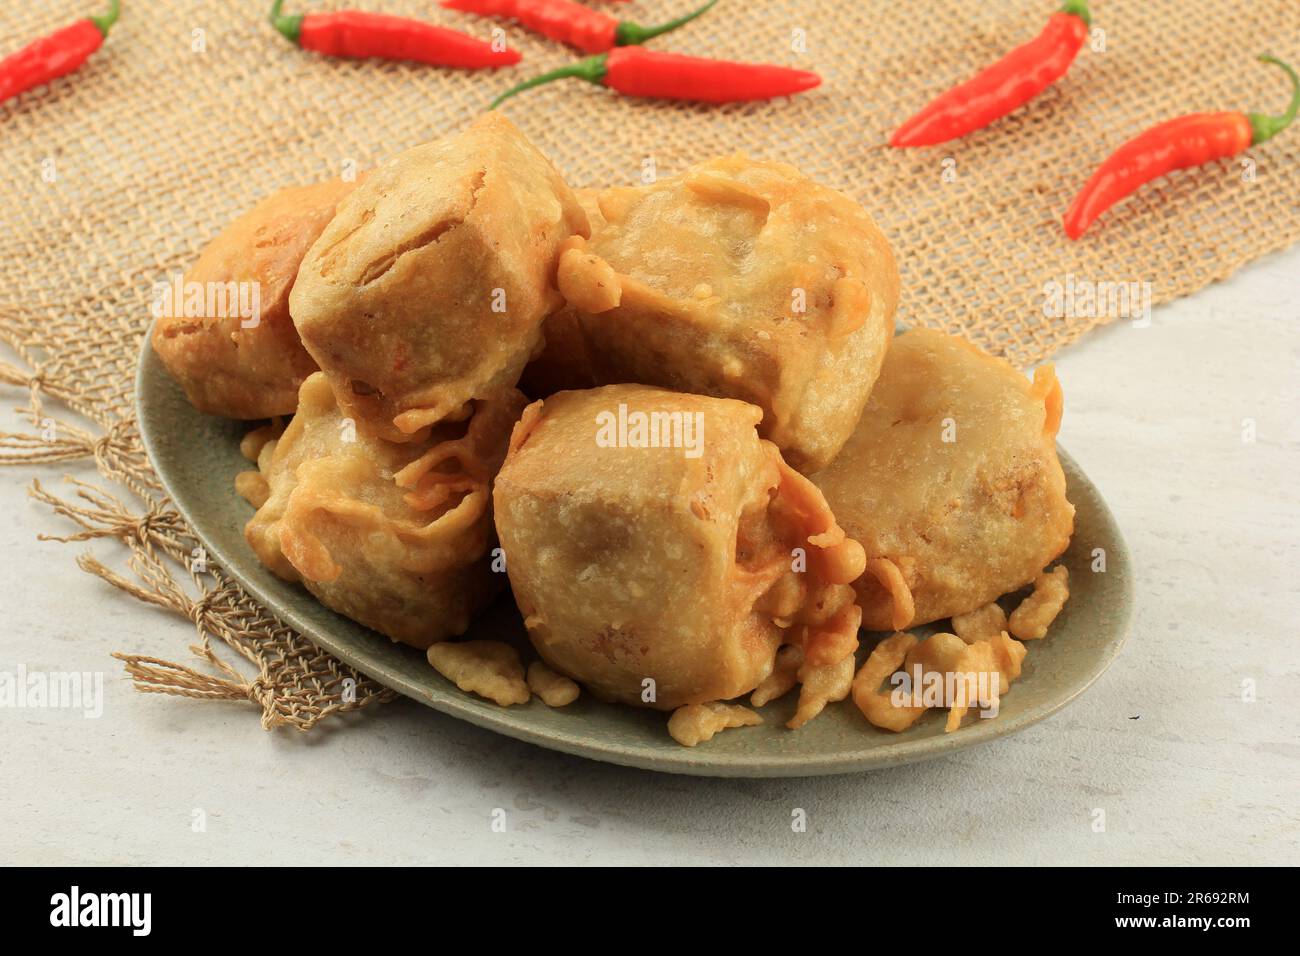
x=1078 y=8
x=289 y=25
x=632 y=34
x=104 y=22
x=592 y=69
x=1265 y=127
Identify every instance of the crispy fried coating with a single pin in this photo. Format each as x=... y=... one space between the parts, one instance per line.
x=977 y=662
x=784 y=676
x=981 y=623
x=554 y=689
x=739 y=279
x=429 y=288
x=890 y=580
x=978 y=673
x=936 y=659
x=393 y=536
x=819 y=686
x=1010 y=656
x=564 y=361
x=668 y=573
x=490 y=669
x=255 y=439
x=952 y=478
x=695 y=723
x=938 y=653
x=876 y=705
x=1035 y=615
x=253 y=487
x=941 y=671
x=225 y=368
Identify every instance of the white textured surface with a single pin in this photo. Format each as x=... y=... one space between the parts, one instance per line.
x=1185 y=771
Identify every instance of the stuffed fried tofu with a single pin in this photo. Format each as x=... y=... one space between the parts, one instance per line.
x=739 y=279
x=394 y=536
x=230 y=362
x=951 y=481
x=564 y=361
x=661 y=552
x=429 y=288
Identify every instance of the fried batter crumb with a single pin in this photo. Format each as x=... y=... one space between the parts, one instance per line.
x=978 y=659
x=695 y=723
x=876 y=705
x=821 y=685
x=554 y=689
x=251 y=445
x=487 y=668
x=1010 y=654
x=1030 y=621
x=980 y=624
x=785 y=674
x=252 y=487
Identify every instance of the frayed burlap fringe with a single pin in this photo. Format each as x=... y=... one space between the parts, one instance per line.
x=116 y=176
x=296 y=684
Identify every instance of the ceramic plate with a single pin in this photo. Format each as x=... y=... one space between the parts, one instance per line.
x=197 y=458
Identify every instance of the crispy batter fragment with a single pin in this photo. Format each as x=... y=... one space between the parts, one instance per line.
x=980 y=624
x=891 y=578
x=696 y=723
x=1010 y=654
x=785 y=674
x=959 y=664
x=977 y=659
x=251 y=445
x=828 y=636
x=252 y=487
x=554 y=689
x=487 y=668
x=1030 y=621
x=937 y=653
x=876 y=706
x=822 y=684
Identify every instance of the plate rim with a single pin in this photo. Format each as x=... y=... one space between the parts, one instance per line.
x=688 y=761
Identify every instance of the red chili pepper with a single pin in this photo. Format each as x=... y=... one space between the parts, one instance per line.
x=55 y=55
x=568 y=22
x=1009 y=83
x=636 y=71
x=1175 y=144
x=357 y=35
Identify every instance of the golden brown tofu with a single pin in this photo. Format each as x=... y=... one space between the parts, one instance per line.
x=739 y=279
x=950 y=481
x=661 y=552
x=429 y=288
x=236 y=365
x=394 y=536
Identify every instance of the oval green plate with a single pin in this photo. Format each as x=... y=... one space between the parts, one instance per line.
x=197 y=458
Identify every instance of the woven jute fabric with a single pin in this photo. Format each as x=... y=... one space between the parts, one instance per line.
x=114 y=177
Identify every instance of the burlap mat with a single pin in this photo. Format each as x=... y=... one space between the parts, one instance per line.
x=116 y=176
